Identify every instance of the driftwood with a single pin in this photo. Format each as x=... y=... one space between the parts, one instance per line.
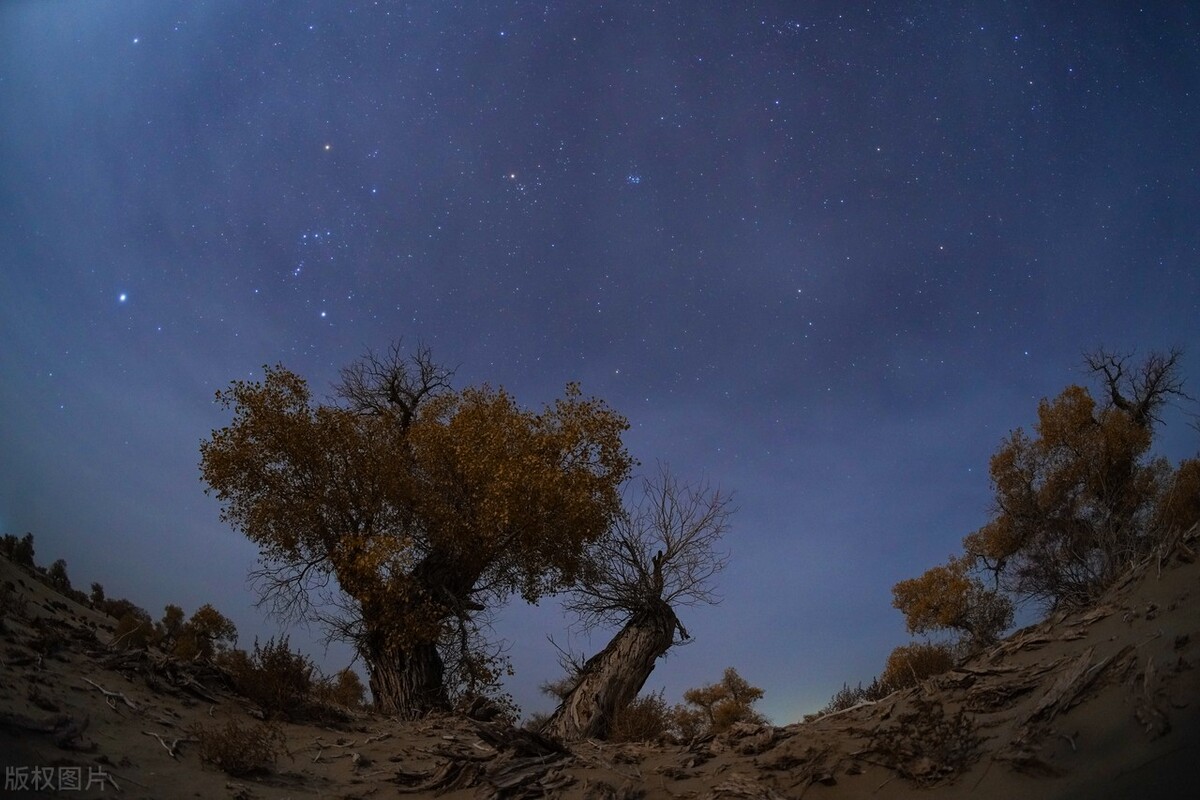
x=172 y=748
x=110 y=697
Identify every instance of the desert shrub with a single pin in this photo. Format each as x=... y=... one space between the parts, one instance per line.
x=951 y=598
x=18 y=551
x=909 y=664
x=535 y=721
x=646 y=719
x=239 y=750
x=277 y=680
x=168 y=628
x=207 y=633
x=117 y=608
x=343 y=688
x=717 y=707
x=13 y=604
x=849 y=696
x=56 y=577
x=135 y=631
x=1178 y=509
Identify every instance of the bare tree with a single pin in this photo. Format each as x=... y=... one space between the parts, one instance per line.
x=662 y=554
x=1139 y=390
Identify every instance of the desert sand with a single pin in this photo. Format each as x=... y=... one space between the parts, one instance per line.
x=1097 y=703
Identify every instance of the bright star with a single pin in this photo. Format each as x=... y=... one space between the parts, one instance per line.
x=122 y=297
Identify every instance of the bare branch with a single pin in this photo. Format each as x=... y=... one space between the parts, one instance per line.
x=1141 y=391
x=393 y=382
x=663 y=549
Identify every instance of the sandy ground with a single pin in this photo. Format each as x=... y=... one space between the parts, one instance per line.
x=1100 y=703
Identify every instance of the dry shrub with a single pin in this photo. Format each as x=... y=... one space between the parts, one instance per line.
x=277 y=680
x=239 y=750
x=848 y=696
x=343 y=689
x=909 y=664
x=135 y=631
x=1179 y=506
x=13 y=604
x=645 y=719
x=717 y=707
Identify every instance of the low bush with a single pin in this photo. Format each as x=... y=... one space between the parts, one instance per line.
x=239 y=750
x=910 y=664
x=646 y=719
x=277 y=680
x=343 y=689
x=135 y=630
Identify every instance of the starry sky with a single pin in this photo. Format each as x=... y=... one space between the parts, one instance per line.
x=822 y=254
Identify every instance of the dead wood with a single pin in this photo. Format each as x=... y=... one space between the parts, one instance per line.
x=110 y=697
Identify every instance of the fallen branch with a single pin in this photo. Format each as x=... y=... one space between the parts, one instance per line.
x=170 y=748
x=109 y=697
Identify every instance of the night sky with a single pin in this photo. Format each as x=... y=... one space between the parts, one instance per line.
x=822 y=254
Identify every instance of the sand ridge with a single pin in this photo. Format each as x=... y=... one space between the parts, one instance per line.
x=1097 y=703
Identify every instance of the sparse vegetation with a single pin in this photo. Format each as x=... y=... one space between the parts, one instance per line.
x=344 y=688
x=238 y=749
x=1076 y=505
x=276 y=679
x=19 y=551
x=717 y=707
x=647 y=718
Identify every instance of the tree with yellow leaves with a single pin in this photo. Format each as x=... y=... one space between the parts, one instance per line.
x=1082 y=499
x=402 y=507
x=951 y=598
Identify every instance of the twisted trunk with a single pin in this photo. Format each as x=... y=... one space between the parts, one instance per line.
x=407 y=677
x=407 y=681
x=612 y=678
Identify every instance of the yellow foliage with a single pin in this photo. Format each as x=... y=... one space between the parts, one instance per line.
x=1179 y=507
x=950 y=598
x=413 y=507
x=718 y=706
x=1071 y=503
x=910 y=664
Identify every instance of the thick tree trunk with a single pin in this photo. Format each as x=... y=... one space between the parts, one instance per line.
x=613 y=677
x=407 y=682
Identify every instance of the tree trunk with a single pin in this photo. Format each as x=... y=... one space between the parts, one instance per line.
x=612 y=678
x=407 y=682
x=407 y=678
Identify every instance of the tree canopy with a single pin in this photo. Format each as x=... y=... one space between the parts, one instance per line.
x=1076 y=502
x=401 y=507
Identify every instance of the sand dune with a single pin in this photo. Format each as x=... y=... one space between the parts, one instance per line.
x=1093 y=704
